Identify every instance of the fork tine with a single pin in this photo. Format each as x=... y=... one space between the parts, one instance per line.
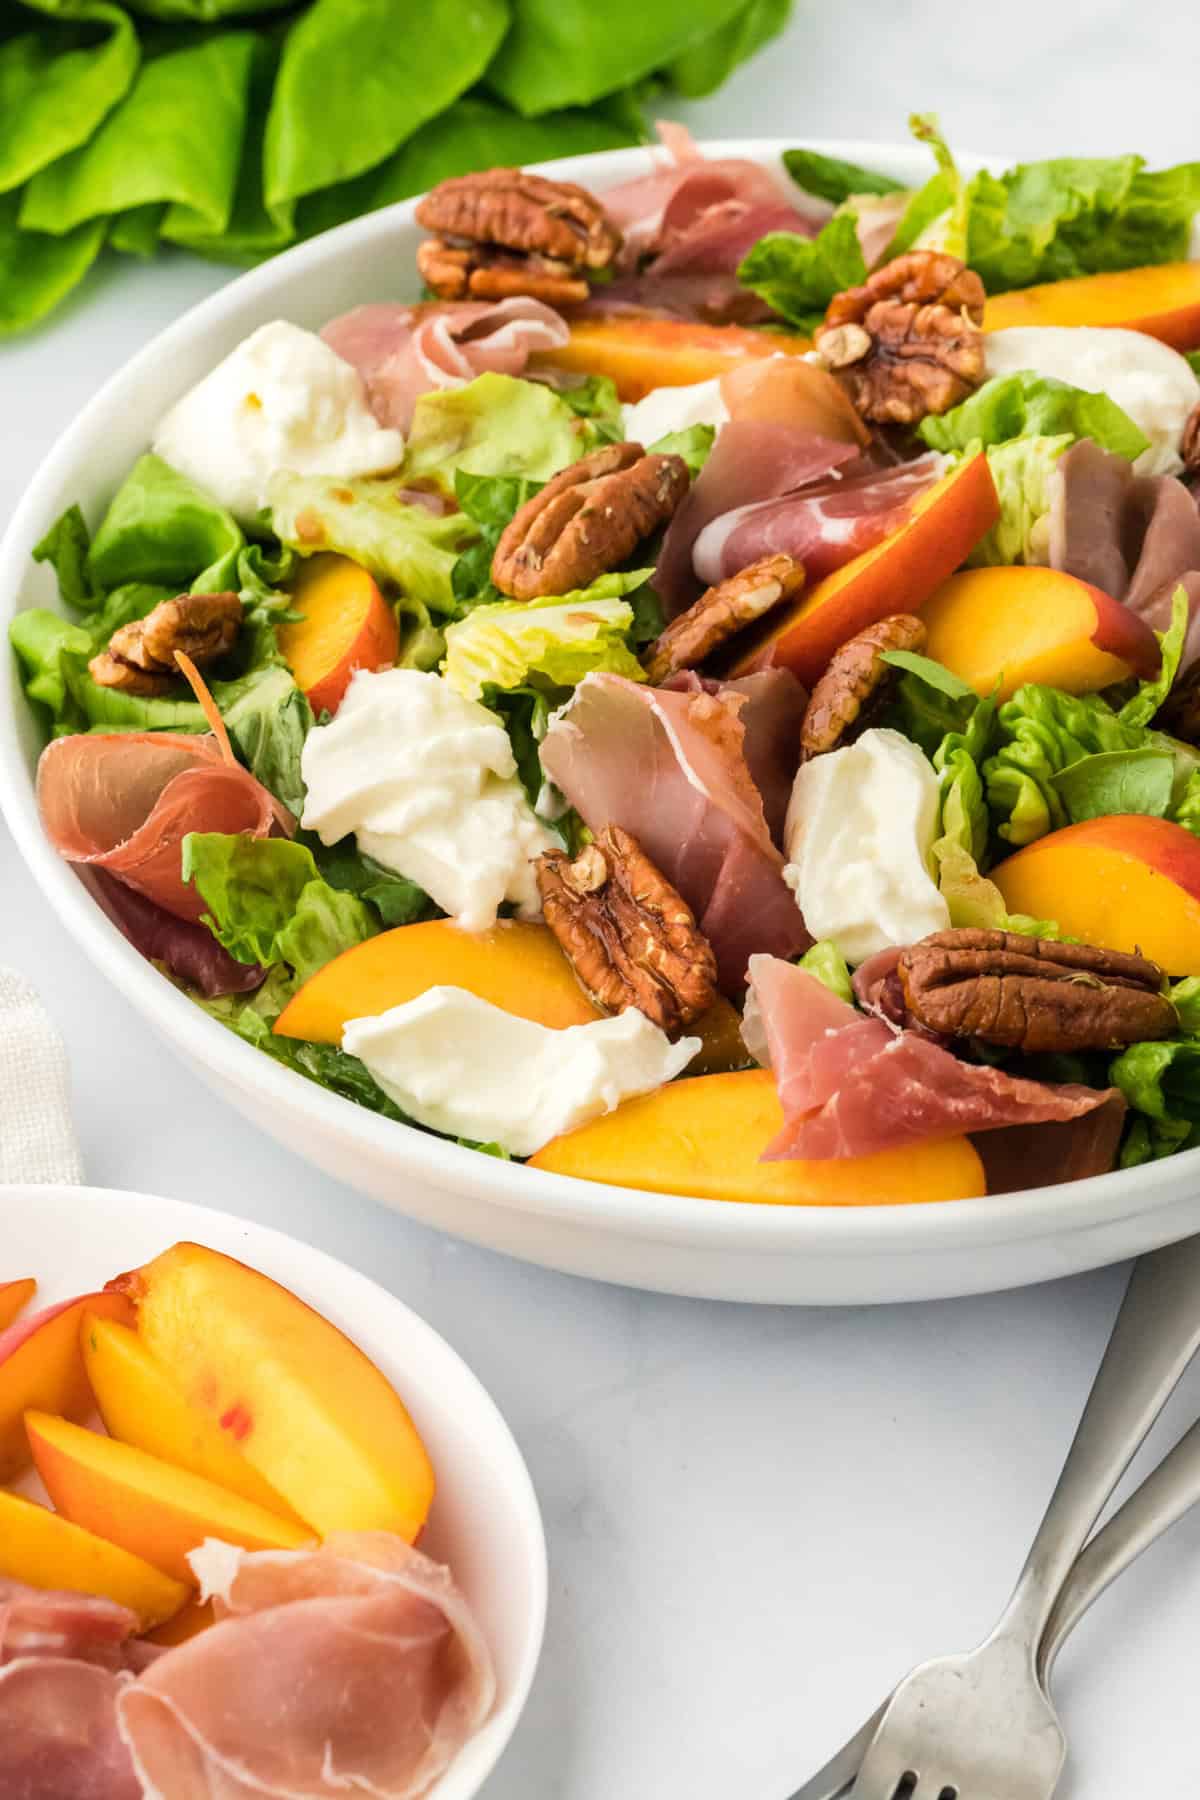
x=841 y=1771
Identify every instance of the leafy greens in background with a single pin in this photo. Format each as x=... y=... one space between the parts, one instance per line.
x=225 y=127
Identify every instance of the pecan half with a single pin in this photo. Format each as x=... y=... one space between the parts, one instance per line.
x=629 y=937
x=587 y=519
x=855 y=683
x=1189 y=443
x=502 y=232
x=722 y=611
x=203 y=626
x=1033 y=995
x=908 y=341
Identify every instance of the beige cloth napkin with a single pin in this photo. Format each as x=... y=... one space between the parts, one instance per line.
x=37 y=1138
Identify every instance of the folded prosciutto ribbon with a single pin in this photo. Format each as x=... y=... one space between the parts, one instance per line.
x=852 y=1084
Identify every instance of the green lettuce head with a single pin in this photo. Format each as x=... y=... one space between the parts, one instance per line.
x=557 y=640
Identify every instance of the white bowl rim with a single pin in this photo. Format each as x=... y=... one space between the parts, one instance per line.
x=329 y=1273
x=655 y=1217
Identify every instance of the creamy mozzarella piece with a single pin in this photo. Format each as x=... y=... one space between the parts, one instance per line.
x=860 y=827
x=669 y=409
x=426 y=781
x=463 y=1066
x=282 y=400
x=1154 y=384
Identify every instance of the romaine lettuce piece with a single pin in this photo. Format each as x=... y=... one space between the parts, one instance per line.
x=363 y=519
x=267 y=902
x=559 y=639
x=494 y=425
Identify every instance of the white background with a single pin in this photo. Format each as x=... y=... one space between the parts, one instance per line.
x=757 y=1518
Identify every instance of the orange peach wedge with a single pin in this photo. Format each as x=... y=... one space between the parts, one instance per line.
x=642 y=354
x=15 y=1295
x=193 y=1617
x=347 y=625
x=302 y=1404
x=1005 y=626
x=41 y=1366
x=703 y=1139
x=145 y=1505
x=1162 y=300
x=141 y=1405
x=1126 y=882
x=897 y=575
x=45 y=1550
x=515 y=966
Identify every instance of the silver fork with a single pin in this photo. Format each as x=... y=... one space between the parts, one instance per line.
x=982 y=1725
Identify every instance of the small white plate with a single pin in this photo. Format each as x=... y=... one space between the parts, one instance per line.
x=485 y=1521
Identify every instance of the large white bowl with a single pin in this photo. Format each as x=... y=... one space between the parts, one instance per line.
x=485 y=1521
x=805 y=1254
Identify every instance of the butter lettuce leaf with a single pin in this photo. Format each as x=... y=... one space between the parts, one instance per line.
x=58 y=81
x=936 y=217
x=160 y=527
x=693 y=443
x=798 y=276
x=824 y=960
x=829 y=178
x=37 y=271
x=363 y=519
x=1026 y=405
x=267 y=902
x=65 y=547
x=558 y=640
x=494 y=425
x=1022 y=471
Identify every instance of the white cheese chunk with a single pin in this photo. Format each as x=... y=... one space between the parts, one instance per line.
x=1154 y=384
x=463 y=1066
x=427 y=782
x=859 y=830
x=282 y=400
x=668 y=409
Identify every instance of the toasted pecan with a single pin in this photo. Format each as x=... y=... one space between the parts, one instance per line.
x=202 y=626
x=855 y=682
x=722 y=611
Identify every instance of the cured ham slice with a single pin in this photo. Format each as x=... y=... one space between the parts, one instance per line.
x=50 y=1622
x=851 y=1085
x=752 y=459
x=1135 y=536
x=58 y=1732
x=356 y=1667
x=123 y=802
x=190 y=952
x=402 y=352
x=1021 y=1156
x=676 y=768
x=822 y=525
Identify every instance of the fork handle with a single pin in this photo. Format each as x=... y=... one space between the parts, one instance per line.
x=1156 y=1334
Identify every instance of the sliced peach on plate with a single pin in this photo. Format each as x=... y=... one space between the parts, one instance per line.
x=44 y=1550
x=1162 y=300
x=141 y=1405
x=1125 y=882
x=347 y=625
x=14 y=1296
x=41 y=1366
x=1006 y=626
x=516 y=966
x=193 y=1617
x=703 y=1139
x=642 y=354
x=300 y=1401
x=145 y=1505
x=897 y=575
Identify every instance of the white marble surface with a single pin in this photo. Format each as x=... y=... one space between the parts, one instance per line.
x=757 y=1519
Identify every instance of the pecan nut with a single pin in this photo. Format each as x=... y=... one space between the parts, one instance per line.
x=587 y=519
x=629 y=937
x=502 y=232
x=140 y=658
x=1031 y=994
x=720 y=612
x=855 y=683
x=908 y=341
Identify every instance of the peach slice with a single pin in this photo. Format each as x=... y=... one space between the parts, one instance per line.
x=1126 y=882
x=146 y=1506
x=302 y=1403
x=193 y=1617
x=897 y=575
x=516 y=966
x=703 y=1139
x=14 y=1295
x=1005 y=626
x=141 y=1405
x=347 y=625
x=643 y=354
x=1162 y=300
x=45 y=1550
x=41 y=1366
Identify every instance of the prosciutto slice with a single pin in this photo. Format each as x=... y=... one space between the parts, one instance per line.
x=822 y=525
x=751 y=460
x=402 y=352
x=355 y=1667
x=852 y=1085
x=190 y=952
x=676 y=767
x=1135 y=536
x=123 y=802
x=1021 y=1156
